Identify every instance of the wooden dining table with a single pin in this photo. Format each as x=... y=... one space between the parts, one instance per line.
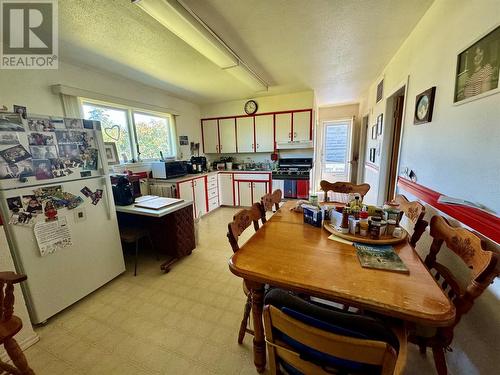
x=287 y=253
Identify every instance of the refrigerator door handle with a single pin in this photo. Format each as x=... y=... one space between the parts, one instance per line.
x=109 y=198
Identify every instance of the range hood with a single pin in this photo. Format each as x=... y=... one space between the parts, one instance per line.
x=292 y=145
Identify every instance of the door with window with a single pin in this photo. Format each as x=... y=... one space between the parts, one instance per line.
x=336 y=150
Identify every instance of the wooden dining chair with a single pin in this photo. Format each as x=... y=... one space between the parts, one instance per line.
x=242 y=221
x=343 y=188
x=10 y=325
x=302 y=337
x=484 y=266
x=414 y=212
x=270 y=200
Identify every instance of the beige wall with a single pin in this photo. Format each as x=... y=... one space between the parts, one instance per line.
x=456 y=154
x=32 y=89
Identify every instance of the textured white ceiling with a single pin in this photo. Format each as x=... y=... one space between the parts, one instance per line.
x=335 y=47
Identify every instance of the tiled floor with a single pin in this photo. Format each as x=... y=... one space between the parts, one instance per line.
x=183 y=322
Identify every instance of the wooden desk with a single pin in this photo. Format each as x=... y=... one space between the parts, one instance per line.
x=295 y=256
x=171 y=228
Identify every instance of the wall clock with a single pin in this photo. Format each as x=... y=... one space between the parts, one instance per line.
x=424 y=105
x=251 y=107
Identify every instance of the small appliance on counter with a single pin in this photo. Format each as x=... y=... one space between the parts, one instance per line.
x=133 y=179
x=197 y=164
x=168 y=169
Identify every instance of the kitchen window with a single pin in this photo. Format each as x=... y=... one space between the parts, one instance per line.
x=139 y=135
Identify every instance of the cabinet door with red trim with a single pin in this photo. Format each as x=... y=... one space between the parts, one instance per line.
x=200 y=197
x=244 y=134
x=283 y=127
x=226 y=189
x=210 y=136
x=301 y=126
x=264 y=133
x=227 y=131
x=245 y=193
x=259 y=190
x=303 y=189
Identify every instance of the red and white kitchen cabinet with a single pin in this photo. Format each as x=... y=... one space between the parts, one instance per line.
x=256 y=133
x=195 y=190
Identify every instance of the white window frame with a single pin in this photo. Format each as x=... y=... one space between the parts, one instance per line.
x=338 y=122
x=134 y=145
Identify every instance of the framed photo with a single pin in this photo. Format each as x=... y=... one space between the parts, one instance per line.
x=111 y=153
x=380 y=123
x=477 y=68
x=374 y=131
x=424 y=105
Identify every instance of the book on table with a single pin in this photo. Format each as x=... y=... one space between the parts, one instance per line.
x=380 y=257
x=158 y=203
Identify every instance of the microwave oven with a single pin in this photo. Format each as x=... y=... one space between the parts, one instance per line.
x=168 y=169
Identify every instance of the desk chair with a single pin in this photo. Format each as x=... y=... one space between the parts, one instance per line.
x=343 y=188
x=10 y=325
x=484 y=266
x=134 y=235
x=269 y=201
x=242 y=221
x=414 y=212
x=303 y=338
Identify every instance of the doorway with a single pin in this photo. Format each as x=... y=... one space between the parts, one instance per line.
x=396 y=102
x=336 y=150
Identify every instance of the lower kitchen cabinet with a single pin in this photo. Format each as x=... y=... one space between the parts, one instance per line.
x=250 y=192
x=278 y=184
x=194 y=190
x=226 y=189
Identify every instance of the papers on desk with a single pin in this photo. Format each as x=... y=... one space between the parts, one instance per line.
x=341 y=240
x=154 y=202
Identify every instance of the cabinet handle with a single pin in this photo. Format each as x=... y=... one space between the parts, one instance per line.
x=258 y=145
x=295 y=134
x=290 y=135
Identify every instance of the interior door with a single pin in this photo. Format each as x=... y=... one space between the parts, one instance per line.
x=301 y=126
x=210 y=136
x=283 y=127
x=227 y=131
x=244 y=130
x=264 y=133
x=336 y=150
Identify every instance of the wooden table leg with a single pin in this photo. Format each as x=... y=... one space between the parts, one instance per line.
x=259 y=344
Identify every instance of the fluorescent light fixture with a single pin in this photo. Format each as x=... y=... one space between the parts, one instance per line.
x=245 y=75
x=184 y=23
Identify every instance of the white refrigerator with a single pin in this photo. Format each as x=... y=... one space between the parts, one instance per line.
x=50 y=194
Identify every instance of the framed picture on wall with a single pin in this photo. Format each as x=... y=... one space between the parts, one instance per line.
x=477 y=68
x=424 y=105
x=380 y=90
x=111 y=153
x=374 y=131
x=380 y=119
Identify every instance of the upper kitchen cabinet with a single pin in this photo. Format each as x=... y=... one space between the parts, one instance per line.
x=227 y=131
x=210 y=132
x=264 y=133
x=283 y=127
x=244 y=134
x=301 y=126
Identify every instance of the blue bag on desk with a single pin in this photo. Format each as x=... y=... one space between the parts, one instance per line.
x=122 y=192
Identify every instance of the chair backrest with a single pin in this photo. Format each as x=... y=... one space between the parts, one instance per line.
x=269 y=201
x=364 y=351
x=7 y=281
x=343 y=188
x=484 y=265
x=414 y=212
x=242 y=221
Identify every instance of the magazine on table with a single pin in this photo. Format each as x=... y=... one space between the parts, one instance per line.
x=380 y=257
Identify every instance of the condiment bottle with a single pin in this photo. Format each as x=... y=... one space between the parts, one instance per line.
x=391 y=224
x=345 y=220
x=375 y=227
x=363 y=223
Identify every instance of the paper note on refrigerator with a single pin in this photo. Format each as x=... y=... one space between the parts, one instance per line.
x=52 y=235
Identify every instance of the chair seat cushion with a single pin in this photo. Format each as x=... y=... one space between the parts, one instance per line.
x=132 y=234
